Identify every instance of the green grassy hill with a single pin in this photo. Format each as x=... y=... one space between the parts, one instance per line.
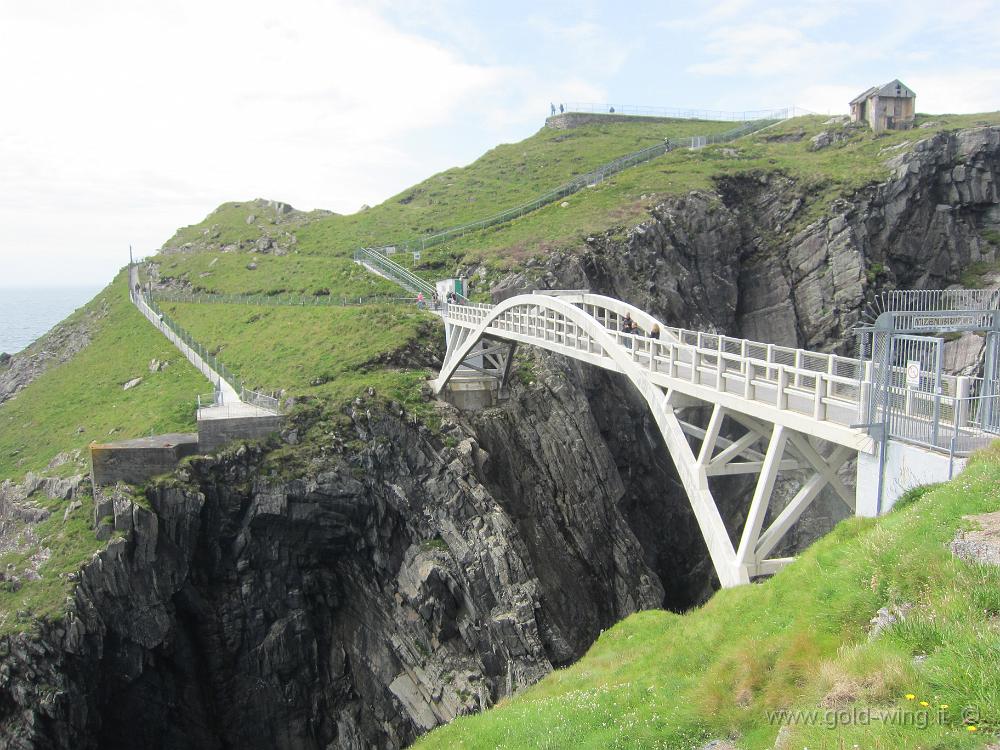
x=512 y=174
x=327 y=352
x=334 y=354
x=506 y=176
x=797 y=643
x=83 y=399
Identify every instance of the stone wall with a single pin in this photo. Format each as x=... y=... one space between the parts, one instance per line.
x=137 y=461
x=576 y=119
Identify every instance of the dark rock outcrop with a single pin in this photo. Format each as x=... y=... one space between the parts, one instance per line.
x=353 y=604
x=386 y=578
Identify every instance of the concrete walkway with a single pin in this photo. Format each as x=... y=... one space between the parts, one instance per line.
x=229 y=404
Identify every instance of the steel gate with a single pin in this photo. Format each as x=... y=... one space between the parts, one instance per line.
x=906 y=387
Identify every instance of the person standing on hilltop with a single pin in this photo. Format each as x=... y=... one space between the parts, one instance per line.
x=552 y=107
x=561 y=110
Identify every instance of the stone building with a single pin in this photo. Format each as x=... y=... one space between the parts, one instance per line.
x=888 y=107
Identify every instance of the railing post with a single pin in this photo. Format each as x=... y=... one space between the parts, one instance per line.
x=963 y=388
x=818 y=399
x=781 y=400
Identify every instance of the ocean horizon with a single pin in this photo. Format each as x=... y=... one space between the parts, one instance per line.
x=26 y=313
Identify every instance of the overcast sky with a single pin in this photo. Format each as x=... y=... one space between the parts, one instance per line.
x=121 y=121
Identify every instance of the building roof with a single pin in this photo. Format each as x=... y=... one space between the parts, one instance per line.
x=897 y=89
x=863 y=95
x=894 y=88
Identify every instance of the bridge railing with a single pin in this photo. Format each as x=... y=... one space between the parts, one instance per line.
x=821 y=387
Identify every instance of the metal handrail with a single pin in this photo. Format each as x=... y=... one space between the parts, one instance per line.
x=593 y=177
x=402 y=276
x=826 y=387
x=680 y=113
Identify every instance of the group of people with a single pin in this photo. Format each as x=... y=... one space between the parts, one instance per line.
x=452 y=299
x=631 y=327
x=552 y=107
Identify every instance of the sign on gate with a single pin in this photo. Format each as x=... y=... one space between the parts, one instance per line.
x=913 y=373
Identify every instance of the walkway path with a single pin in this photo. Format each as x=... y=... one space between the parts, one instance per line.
x=226 y=402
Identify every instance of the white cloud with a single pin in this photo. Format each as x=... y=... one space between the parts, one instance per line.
x=958 y=92
x=765 y=49
x=148 y=117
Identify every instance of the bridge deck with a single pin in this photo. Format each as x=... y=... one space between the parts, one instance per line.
x=820 y=394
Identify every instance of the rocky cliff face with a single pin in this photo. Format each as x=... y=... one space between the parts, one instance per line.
x=384 y=579
x=738 y=260
x=387 y=587
x=59 y=345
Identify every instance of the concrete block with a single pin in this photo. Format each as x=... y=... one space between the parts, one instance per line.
x=137 y=461
x=214 y=433
x=906 y=466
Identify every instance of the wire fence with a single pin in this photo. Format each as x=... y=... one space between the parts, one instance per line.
x=182 y=333
x=260 y=400
x=247 y=395
x=279 y=300
x=640 y=110
x=588 y=179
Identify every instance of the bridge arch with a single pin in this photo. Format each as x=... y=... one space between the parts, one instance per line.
x=584 y=327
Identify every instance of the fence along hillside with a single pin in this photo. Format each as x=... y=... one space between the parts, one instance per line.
x=593 y=177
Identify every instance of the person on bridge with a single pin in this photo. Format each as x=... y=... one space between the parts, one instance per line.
x=654 y=332
x=629 y=327
x=436 y=301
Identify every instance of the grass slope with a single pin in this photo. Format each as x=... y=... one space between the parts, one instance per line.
x=506 y=176
x=64 y=410
x=331 y=352
x=797 y=642
x=513 y=173
x=86 y=392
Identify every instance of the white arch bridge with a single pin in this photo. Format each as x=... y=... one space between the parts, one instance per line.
x=789 y=410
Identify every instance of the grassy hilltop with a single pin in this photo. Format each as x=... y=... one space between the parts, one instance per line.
x=513 y=174
x=333 y=354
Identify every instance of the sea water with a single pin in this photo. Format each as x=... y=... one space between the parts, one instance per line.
x=27 y=313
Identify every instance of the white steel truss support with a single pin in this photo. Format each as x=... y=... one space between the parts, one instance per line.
x=791 y=512
x=742 y=382
x=824 y=467
x=724 y=464
x=761 y=496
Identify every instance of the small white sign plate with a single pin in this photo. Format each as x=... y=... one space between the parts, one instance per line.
x=913 y=373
